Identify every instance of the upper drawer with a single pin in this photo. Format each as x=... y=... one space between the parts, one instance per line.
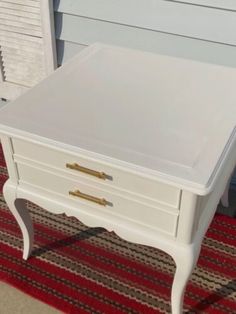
x=114 y=177
x=173 y=17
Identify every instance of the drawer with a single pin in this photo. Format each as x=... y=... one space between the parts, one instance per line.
x=100 y=200
x=114 y=177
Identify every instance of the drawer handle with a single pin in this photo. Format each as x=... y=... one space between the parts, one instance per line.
x=100 y=201
x=100 y=175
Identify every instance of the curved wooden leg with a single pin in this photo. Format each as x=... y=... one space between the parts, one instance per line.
x=19 y=210
x=185 y=263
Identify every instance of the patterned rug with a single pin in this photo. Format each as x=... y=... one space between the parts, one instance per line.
x=82 y=270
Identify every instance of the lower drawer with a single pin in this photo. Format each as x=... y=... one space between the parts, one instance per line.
x=100 y=199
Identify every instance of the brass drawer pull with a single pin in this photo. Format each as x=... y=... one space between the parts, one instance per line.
x=100 y=201
x=75 y=166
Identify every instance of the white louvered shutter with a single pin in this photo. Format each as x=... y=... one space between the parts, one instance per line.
x=26 y=44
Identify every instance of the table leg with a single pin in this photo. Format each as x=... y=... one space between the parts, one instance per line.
x=185 y=260
x=21 y=213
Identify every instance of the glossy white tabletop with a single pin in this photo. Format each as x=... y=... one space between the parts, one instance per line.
x=173 y=117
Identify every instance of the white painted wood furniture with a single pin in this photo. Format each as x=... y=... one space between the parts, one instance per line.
x=27 y=45
x=134 y=142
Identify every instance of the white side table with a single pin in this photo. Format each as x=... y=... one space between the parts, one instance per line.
x=137 y=143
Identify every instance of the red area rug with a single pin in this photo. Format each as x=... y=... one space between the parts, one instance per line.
x=81 y=270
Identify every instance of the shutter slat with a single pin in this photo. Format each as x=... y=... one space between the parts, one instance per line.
x=21 y=24
x=20 y=13
x=30 y=3
x=29 y=21
x=17 y=36
x=20 y=70
x=21 y=81
x=20 y=53
x=20 y=30
x=26 y=43
x=23 y=59
x=19 y=7
x=21 y=46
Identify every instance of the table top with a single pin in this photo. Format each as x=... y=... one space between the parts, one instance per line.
x=170 y=118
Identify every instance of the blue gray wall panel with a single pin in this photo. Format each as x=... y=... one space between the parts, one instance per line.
x=195 y=29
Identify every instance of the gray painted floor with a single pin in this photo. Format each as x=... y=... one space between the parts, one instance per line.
x=15 y=301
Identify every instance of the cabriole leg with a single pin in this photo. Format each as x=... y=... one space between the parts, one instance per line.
x=185 y=263
x=21 y=213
